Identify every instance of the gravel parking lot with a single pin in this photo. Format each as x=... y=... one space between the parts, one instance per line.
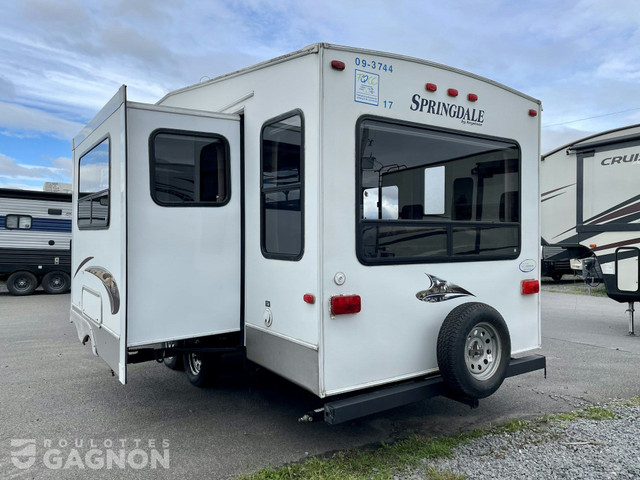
x=56 y=395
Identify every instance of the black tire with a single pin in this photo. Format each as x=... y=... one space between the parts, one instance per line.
x=556 y=277
x=22 y=283
x=56 y=282
x=474 y=349
x=201 y=370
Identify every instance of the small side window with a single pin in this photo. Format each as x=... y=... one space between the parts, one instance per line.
x=189 y=169
x=18 y=222
x=93 y=187
x=282 y=187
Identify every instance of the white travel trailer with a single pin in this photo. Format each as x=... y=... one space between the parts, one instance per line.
x=591 y=206
x=35 y=236
x=352 y=220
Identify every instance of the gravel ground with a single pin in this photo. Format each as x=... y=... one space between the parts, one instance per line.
x=576 y=449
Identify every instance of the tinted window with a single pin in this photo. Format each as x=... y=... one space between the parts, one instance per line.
x=188 y=169
x=281 y=188
x=93 y=189
x=429 y=195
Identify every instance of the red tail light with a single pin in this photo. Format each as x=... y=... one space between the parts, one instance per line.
x=344 y=304
x=308 y=298
x=530 y=286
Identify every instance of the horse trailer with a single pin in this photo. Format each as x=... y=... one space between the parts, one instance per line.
x=591 y=208
x=363 y=224
x=35 y=236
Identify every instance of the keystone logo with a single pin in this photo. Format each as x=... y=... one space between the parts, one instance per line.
x=25 y=457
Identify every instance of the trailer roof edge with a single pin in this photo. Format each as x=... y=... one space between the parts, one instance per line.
x=588 y=137
x=315 y=48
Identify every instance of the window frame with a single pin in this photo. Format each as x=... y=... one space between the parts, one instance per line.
x=189 y=133
x=448 y=225
x=19 y=216
x=89 y=150
x=265 y=253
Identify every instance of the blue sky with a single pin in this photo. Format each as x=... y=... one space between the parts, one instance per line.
x=60 y=61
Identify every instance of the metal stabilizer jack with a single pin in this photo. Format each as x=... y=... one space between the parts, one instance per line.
x=630 y=311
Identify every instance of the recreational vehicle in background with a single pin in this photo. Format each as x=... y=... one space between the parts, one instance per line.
x=590 y=204
x=361 y=223
x=35 y=236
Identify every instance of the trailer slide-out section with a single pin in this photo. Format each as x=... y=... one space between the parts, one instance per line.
x=354 y=221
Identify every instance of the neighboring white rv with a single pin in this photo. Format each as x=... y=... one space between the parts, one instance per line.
x=591 y=206
x=351 y=219
x=35 y=236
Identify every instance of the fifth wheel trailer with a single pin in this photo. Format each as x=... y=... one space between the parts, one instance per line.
x=35 y=236
x=361 y=223
x=591 y=207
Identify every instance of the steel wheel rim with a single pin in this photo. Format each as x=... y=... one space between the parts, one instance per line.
x=56 y=282
x=195 y=363
x=482 y=351
x=22 y=283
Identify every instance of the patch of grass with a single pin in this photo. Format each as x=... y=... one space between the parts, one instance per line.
x=512 y=426
x=379 y=463
x=589 y=413
x=632 y=402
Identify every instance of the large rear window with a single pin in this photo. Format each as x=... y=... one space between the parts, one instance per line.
x=428 y=195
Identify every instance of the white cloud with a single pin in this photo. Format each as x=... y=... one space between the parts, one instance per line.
x=19 y=118
x=10 y=169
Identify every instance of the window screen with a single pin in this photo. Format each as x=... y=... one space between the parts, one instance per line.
x=189 y=169
x=282 y=187
x=428 y=195
x=93 y=189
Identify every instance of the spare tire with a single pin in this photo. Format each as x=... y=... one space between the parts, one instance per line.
x=474 y=349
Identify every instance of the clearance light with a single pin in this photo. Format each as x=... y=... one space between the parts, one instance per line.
x=472 y=97
x=593 y=245
x=431 y=87
x=308 y=298
x=452 y=92
x=344 y=304
x=530 y=286
x=533 y=113
x=337 y=65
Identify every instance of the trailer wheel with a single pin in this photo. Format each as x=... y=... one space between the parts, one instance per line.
x=175 y=362
x=22 y=283
x=474 y=349
x=201 y=369
x=56 y=282
x=556 y=277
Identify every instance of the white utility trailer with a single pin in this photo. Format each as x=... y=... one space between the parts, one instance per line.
x=363 y=224
x=591 y=207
